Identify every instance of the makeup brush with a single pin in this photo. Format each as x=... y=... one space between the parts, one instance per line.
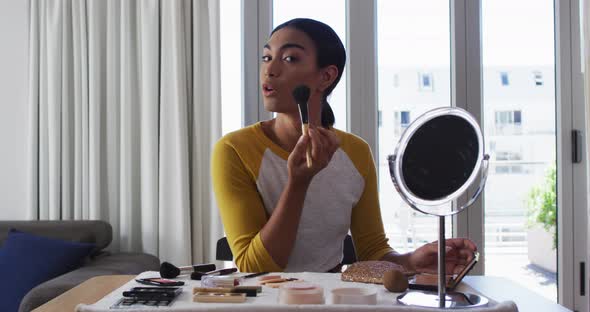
x=301 y=95
x=169 y=270
x=199 y=275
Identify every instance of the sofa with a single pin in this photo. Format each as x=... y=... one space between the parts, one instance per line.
x=99 y=262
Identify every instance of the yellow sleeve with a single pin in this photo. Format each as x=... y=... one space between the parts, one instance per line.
x=241 y=209
x=366 y=225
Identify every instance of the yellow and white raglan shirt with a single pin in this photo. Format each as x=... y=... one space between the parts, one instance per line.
x=249 y=173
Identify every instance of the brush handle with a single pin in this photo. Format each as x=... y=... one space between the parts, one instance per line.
x=305 y=130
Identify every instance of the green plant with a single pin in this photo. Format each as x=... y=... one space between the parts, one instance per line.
x=542 y=204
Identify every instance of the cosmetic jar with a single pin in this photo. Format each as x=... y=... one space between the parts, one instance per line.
x=301 y=293
x=354 y=296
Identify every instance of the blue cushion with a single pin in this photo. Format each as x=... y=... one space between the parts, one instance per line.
x=28 y=260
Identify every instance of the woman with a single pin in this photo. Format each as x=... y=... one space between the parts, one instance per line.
x=281 y=215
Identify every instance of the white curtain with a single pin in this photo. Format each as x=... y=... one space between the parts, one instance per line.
x=125 y=107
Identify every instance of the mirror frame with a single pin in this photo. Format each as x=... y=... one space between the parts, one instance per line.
x=435 y=207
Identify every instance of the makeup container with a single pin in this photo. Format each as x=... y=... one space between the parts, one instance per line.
x=354 y=296
x=301 y=293
x=268 y=278
x=220 y=281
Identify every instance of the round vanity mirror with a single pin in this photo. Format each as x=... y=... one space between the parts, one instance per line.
x=438 y=158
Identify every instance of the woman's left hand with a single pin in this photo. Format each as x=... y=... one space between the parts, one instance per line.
x=459 y=252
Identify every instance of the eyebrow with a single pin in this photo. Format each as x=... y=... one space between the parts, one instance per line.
x=286 y=46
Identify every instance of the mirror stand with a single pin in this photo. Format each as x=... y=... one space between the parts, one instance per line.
x=441 y=299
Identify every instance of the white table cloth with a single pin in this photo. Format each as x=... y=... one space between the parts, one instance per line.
x=268 y=299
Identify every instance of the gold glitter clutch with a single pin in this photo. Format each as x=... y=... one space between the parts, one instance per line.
x=369 y=271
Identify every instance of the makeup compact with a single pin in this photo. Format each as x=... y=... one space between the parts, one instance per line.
x=219 y=281
x=365 y=296
x=301 y=293
x=430 y=281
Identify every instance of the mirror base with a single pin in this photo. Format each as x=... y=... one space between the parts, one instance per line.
x=454 y=300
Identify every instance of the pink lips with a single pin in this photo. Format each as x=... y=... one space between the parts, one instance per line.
x=267 y=90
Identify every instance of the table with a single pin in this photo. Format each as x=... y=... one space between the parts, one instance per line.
x=501 y=289
x=88 y=292
x=496 y=288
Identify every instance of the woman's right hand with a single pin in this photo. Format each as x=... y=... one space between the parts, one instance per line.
x=324 y=144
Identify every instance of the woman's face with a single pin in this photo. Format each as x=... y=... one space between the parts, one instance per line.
x=289 y=59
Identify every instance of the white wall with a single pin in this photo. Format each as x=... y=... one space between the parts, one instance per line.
x=13 y=108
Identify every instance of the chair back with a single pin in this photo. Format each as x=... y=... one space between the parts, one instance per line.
x=223 y=252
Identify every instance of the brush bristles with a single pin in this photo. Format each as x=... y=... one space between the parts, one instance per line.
x=169 y=270
x=301 y=95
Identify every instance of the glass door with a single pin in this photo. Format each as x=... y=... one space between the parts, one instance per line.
x=519 y=121
x=413 y=69
x=231 y=66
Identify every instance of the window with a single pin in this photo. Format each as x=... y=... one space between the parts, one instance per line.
x=405 y=119
x=413 y=46
x=503 y=118
x=492 y=146
x=504 y=78
x=508 y=155
x=509 y=169
x=508 y=122
x=508 y=117
x=231 y=88
x=538 y=78
x=520 y=158
x=426 y=82
x=517 y=117
x=401 y=121
x=502 y=169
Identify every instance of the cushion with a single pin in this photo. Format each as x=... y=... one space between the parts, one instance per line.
x=81 y=231
x=28 y=260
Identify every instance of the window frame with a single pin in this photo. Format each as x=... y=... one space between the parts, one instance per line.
x=466 y=92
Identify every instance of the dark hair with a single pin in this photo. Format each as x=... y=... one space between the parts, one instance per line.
x=330 y=51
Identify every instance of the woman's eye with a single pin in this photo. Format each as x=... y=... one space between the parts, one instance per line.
x=290 y=59
x=266 y=58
